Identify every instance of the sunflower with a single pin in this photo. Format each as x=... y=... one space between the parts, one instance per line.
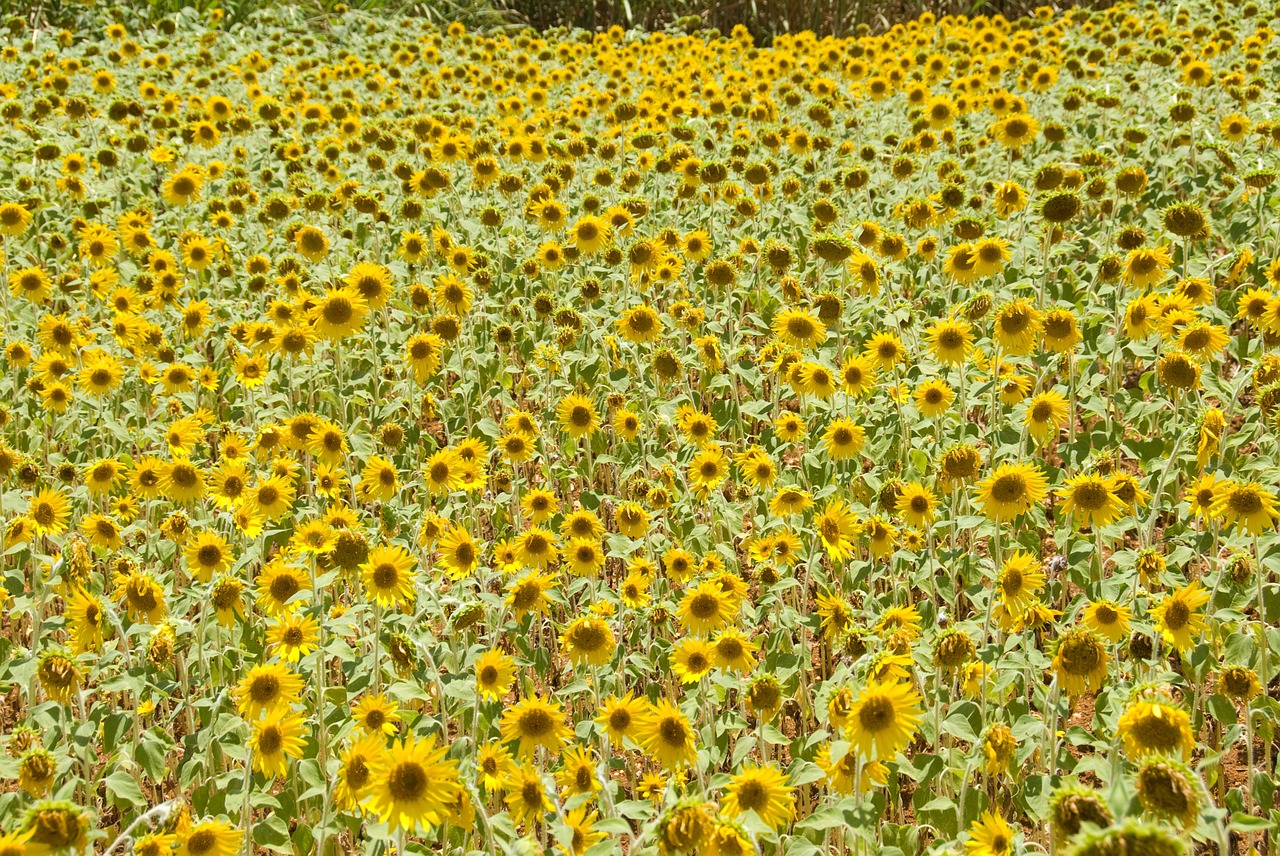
x=707 y=469
x=950 y=340
x=1080 y=662
x=293 y=636
x=1154 y=727
x=934 y=397
x=536 y=548
x=340 y=313
x=836 y=525
x=883 y=719
x=279 y=586
x=989 y=835
x=1020 y=581
x=49 y=511
x=267 y=688
x=1108 y=619
x=388 y=575
x=532 y=723
x=1047 y=413
x=413 y=784
x=843 y=439
x=424 y=352
x=990 y=256
x=1016 y=130
x=799 y=328
x=758 y=469
x=958 y=466
x=639 y=324
x=210 y=838
x=583 y=835
x=494 y=674
x=277 y=737
x=816 y=380
x=857 y=376
x=1088 y=497
x=527 y=797
x=495 y=767
x=705 y=609
x=228 y=484
x=529 y=593
x=1144 y=267
x=86 y=622
x=589 y=641
x=14 y=219
x=102 y=532
x=999 y=749
x=311 y=243
x=142 y=596
x=763 y=790
x=1249 y=505
x=578 y=416
x=32 y=283
x=885 y=350
x=354 y=765
x=1239 y=683
x=1011 y=490
x=1204 y=493
x=59 y=675
x=442 y=472
x=1202 y=339
x=207 y=553
x=734 y=651
x=371 y=281
x=379 y=480
x=1061 y=332
x=1017 y=327
x=578 y=773
x=692 y=659
x=271 y=498
x=619 y=716
x=961 y=263
x=1178 y=618
x=665 y=733
x=101 y=476
x=459 y=553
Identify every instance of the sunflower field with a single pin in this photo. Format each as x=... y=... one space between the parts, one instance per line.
x=415 y=440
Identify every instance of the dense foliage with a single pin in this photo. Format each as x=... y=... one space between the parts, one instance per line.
x=644 y=443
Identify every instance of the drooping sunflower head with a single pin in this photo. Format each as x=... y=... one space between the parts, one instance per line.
x=1072 y=807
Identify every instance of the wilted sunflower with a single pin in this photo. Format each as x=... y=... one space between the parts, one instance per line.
x=1080 y=662
x=1017 y=327
x=1156 y=727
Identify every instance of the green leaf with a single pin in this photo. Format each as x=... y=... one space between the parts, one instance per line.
x=273 y=834
x=151 y=756
x=1248 y=823
x=124 y=791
